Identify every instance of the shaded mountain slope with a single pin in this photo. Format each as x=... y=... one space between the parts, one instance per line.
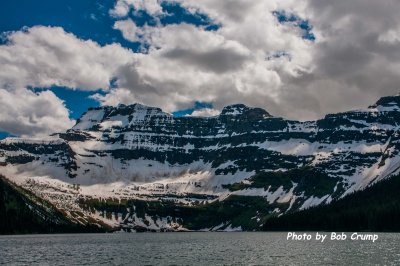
x=377 y=208
x=21 y=212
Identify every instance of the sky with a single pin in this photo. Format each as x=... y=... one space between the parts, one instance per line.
x=298 y=59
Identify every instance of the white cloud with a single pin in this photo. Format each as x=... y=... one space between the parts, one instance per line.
x=129 y=30
x=390 y=36
x=25 y=113
x=45 y=56
x=122 y=7
x=115 y=97
x=205 y=112
x=134 y=33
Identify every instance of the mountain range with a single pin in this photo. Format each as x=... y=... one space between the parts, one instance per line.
x=137 y=168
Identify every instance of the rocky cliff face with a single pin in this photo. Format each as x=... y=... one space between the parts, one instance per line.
x=136 y=153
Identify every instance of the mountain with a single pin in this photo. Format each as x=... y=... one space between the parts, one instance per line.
x=135 y=167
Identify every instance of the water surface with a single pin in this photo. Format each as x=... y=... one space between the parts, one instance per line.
x=234 y=248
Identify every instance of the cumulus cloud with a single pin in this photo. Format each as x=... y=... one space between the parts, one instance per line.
x=352 y=62
x=46 y=56
x=115 y=97
x=25 y=113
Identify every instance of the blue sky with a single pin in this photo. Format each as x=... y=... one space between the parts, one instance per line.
x=284 y=17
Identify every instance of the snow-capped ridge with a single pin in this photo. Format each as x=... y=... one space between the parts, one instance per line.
x=51 y=140
x=121 y=115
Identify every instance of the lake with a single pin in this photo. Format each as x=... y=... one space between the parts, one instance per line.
x=233 y=248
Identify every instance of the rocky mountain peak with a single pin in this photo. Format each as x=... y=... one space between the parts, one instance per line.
x=246 y=111
x=121 y=115
x=388 y=102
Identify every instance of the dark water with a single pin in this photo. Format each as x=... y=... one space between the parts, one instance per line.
x=194 y=249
